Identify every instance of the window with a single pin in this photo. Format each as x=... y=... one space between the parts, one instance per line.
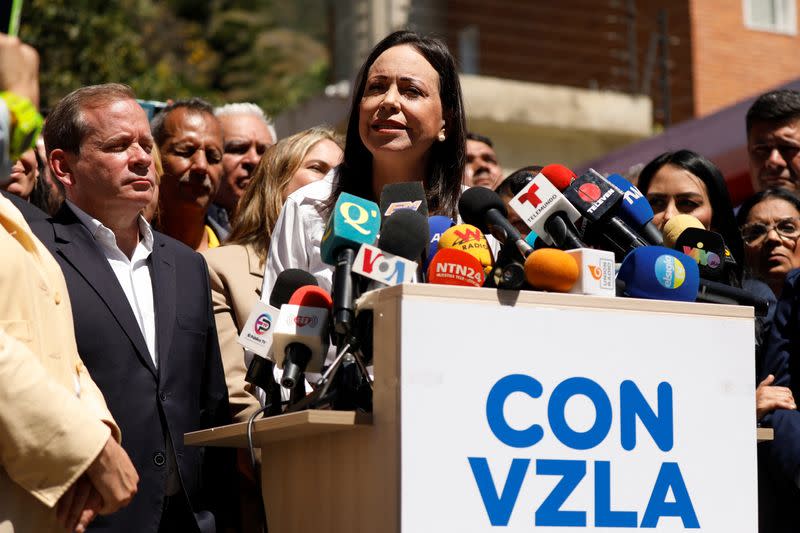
x=468 y=49
x=779 y=16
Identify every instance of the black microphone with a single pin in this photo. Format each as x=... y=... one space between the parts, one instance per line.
x=484 y=209
x=405 y=233
x=707 y=248
x=403 y=196
x=596 y=199
x=720 y=293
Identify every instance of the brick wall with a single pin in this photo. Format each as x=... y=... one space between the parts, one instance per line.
x=579 y=43
x=733 y=62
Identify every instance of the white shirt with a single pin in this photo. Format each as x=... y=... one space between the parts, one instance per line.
x=298 y=233
x=133 y=274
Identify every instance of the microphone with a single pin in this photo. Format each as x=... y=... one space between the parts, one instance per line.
x=484 y=209
x=677 y=225
x=408 y=195
x=468 y=238
x=659 y=273
x=301 y=337
x=546 y=211
x=551 y=269
x=636 y=211
x=287 y=283
x=707 y=248
x=688 y=235
x=455 y=267
x=438 y=224
x=353 y=222
x=595 y=272
x=508 y=272
x=596 y=199
x=721 y=293
x=403 y=239
x=405 y=233
x=262 y=324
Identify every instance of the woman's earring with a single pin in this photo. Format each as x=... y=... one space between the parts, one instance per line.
x=441 y=136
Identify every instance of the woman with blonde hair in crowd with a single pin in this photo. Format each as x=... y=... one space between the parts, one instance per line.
x=236 y=269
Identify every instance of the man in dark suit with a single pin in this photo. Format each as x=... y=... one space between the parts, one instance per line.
x=142 y=311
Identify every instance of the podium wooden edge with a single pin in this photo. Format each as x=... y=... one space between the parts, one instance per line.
x=278 y=428
x=528 y=298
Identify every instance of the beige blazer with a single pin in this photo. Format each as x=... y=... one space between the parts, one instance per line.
x=236 y=277
x=53 y=420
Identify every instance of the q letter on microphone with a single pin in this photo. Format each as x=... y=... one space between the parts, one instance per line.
x=353 y=222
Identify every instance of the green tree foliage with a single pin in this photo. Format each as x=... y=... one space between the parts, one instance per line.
x=263 y=51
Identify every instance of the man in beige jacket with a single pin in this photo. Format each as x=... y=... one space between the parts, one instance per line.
x=60 y=461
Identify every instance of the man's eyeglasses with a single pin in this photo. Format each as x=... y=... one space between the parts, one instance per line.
x=788 y=228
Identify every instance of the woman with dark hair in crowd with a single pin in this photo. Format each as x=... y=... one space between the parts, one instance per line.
x=684 y=182
x=406 y=124
x=770 y=224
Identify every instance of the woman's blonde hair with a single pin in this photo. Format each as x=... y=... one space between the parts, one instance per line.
x=260 y=205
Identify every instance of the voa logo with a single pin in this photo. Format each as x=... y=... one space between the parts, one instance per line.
x=391 y=271
x=500 y=486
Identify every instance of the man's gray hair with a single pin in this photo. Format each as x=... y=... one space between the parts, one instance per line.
x=247 y=108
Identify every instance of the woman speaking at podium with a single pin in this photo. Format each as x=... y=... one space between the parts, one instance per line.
x=406 y=124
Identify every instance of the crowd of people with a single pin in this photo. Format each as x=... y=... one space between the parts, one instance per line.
x=109 y=312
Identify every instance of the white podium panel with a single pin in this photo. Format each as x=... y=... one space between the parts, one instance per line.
x=549 y=418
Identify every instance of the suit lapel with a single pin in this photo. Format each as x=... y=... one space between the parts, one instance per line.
x=256 y=268
x=164 y=280
x=75 y=244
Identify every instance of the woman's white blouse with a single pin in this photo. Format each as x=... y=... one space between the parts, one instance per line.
x=297 y=235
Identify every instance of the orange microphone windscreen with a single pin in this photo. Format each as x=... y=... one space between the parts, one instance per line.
x=550 y=269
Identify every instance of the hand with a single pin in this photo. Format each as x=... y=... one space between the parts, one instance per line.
x=19 y=68
x=113 y=476
x=769 y=397
x=78 y=506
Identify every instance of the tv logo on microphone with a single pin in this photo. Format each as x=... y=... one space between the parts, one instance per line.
x=397 y=206
x=590 y=193
x=357 y=216
x=632 y=194
x=373 y=263
x=262 y=324
x=670 y=272
x=302 y=321
x=703 y=257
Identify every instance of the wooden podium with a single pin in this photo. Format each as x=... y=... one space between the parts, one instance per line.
x=438 y=352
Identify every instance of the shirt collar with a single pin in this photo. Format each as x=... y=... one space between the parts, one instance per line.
x=102 y=233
